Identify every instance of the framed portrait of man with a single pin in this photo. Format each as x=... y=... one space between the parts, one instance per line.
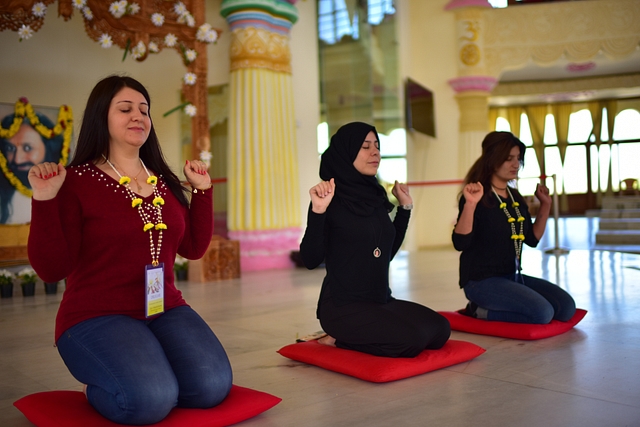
x=28 y=135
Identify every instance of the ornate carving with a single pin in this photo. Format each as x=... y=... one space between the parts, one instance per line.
x=470 y=54
x=579 y=30
x=130 y=29
x=259 y=48
x=220 y=262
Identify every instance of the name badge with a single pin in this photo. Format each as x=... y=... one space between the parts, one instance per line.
x=154 y=295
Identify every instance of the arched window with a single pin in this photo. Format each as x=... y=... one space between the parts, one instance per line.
x=586 y=166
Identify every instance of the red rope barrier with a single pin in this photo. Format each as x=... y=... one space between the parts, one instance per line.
x=428 y=183
x=214 y=181
x=451 y=182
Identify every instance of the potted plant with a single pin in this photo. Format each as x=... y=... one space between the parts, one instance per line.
x=28 y=279
x=181 y=267
x=6 y=284
x=50 y=288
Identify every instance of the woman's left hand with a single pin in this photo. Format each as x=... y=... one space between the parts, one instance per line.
x=401 y=192
x=196 y=173
x=542 y=193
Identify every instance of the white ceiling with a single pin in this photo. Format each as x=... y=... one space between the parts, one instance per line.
x=564 y=69
x=600 y=66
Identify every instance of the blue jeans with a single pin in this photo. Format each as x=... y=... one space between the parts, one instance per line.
x=530 y=300
x=136 y=371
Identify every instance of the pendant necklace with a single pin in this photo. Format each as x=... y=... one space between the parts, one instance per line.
x=376 y=252
x=517 y=237
x=135 y=178
x=137 y=203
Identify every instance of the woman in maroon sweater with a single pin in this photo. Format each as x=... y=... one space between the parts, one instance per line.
x=112 y=224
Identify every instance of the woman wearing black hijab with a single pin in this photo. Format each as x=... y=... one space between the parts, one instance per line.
x=348 y=227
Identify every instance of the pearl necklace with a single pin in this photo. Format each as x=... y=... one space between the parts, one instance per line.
x=137 y=203
x=517 y=238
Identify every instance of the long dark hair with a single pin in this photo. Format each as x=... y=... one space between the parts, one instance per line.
x=496 y=147
x=93 y=141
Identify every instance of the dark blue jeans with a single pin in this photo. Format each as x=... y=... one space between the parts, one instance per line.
x=136 y=371
x=532 y=300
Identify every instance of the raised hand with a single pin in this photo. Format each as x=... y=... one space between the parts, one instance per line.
x=542 y=193
x=473 y=192
x=46 y=179
x=401 y=192
x=321 y=195
x=196 y=173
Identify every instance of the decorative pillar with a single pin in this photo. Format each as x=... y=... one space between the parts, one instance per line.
x=263 y=196
x=472 y=86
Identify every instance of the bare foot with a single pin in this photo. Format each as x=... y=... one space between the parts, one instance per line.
x=327 y=340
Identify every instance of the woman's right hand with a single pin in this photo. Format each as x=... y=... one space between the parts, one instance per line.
x=473 y=192
x=321 y=195
x=46 y=180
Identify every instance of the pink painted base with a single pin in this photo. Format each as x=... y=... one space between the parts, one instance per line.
x=457 y=4
x=267 y=249
x=473 y=83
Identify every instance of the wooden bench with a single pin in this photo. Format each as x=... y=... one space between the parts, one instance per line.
x=220 y=262
x=13 y=244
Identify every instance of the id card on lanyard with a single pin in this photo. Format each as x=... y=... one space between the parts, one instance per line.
x=154 y=292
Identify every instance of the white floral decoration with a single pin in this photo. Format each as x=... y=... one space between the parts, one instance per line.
x=202 y=31
x=27 y=273
x=170 y=40
x=133 y=8
x=211 y=36
x=79 y=4
x=206 y=157
x=118 y=8
x=87 y=13
x=180 y=260
x=39 y=9
x=190 y=54
x=105 y=41
x=187 y=18
x=153 y=47
x=25 y=32
x=6 y=277
x=157 y=19
x=206 y=34
x=179 y=8
x=190 y=79
x=190 y=110
x=139 y=50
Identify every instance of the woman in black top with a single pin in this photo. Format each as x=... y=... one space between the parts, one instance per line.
x=349 y=228
x=493 y=223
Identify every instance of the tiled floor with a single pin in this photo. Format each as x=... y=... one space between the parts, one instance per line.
x=589 y=376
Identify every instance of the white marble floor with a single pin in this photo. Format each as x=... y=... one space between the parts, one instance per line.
x=589 y=376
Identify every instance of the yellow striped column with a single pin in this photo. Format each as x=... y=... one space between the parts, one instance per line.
x=472 y=85
x=263 y=196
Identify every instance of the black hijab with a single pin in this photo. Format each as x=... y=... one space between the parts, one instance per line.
x=359 y=193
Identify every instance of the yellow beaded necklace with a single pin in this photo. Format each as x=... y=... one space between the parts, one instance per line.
x=136 y=203
x=518 y=237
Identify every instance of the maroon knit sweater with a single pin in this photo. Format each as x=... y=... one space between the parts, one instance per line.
x=90 y=234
